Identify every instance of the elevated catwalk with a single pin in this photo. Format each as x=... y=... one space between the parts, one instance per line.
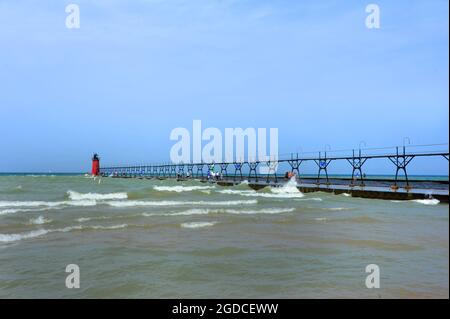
x=357 y=185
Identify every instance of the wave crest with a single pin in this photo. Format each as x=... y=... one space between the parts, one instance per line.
x=197 y=224
x=206 y=211
x=40 y=220
x=179 y=188
x=429 y=201
x=137 y=203
x=36 y=233
x=95 y=196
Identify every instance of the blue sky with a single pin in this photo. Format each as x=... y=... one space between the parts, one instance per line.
x=135 y=70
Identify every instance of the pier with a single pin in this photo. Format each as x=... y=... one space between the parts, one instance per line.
x=398 y=186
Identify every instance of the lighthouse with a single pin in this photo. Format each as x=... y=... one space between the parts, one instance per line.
x=95 y=165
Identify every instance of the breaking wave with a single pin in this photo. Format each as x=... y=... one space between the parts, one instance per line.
x=336 y=208
x=5 y=238
x=95 y=196
x=36 y=204
x=430 y=201
x=40 y=220
x=197 y=224
x=315 y=199
x=206 y=211
x=28 y=204
x=346 y=194
x=288 y=190
x=107 y=227
x=278 y=192
x=261 y=211
x=16 y=210
x=179 y=188
x=180 y=203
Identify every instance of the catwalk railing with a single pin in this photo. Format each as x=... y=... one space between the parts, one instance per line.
x=249 y=170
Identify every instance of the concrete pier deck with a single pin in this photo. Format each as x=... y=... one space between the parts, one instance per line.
x=373 y=188
x=380 y=189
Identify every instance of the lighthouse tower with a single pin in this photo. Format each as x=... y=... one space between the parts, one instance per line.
x=95 y=165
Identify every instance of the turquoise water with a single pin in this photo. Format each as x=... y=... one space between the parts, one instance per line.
x=136 y=238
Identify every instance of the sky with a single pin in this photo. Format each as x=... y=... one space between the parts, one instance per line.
x=136 y=70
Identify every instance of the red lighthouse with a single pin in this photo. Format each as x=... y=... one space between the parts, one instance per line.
x=95 y=165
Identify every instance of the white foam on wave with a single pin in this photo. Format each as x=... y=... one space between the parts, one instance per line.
x=346 y=194
x=179 y=188
x=197 y=224
x=36 y=204
x=206 y=211
x=321 y=219
x=194 y=211
x=83 y=203
x=288 y=190
x=136 y=203
x=335 y=208
x=40 y=232
x=40 y=220
x=275 y=193
x=28 y=204
x=429 y=201
x=238 y=192
x=261 y=211
x=95 y=196
x=87 y=219
x=13 y=211
x=5 y=238
x=23 y=210
x=315 y=199
x=68 y=229
x=107 y=227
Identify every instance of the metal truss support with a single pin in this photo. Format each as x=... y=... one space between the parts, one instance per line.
x=237 y=168
x=199 y=169
x=357 y=162
x=190 y=170
x=223 y=169
x=173 y=170
x=272 y=169
x=401 y=161
x=166 y=170
x=322 y=164
x=252 y=166
x=295 y=165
